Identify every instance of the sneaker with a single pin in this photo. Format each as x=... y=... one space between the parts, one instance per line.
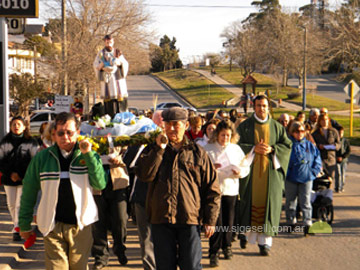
x=98 y=265
x=264 y=250
x=16 y=236
x=214 y=260
x=227 y=253
x=243 y=241
x=306 y=231
x=123 y=259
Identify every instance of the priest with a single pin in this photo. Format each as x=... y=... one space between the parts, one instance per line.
x=268 y=148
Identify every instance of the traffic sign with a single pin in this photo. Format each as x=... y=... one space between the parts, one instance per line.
x=19 y=8
x=355 y=88
x=16 y=26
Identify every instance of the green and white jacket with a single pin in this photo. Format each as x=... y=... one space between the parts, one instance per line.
x=86 y=173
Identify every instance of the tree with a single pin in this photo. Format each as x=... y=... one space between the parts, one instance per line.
x=345 y=35
x=214 y=59
x=24 y=89
x=165 y=56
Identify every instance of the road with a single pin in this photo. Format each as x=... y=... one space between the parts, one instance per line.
x=325 y=85
x=339 y=250
x=141 y=89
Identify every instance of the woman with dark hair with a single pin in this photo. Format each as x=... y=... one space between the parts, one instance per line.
x=327 y=140
x=228 y=158
x=208 y=129
x=17 y=149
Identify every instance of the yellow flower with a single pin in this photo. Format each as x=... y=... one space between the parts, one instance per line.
x=132 y=122
x=103 y=140
x=80 y=138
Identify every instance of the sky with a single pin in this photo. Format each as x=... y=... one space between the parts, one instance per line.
x=196 y=28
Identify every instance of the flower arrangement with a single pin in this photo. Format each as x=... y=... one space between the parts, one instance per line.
x=101 y=144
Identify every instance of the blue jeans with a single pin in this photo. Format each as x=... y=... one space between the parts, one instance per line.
x=340 y=175
x=302 y=191
x=177 y=245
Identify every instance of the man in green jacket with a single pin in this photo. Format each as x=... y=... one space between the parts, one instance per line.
x=264 y=140
x=65 y=173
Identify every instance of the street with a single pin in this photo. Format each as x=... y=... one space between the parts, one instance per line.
x=339 y=250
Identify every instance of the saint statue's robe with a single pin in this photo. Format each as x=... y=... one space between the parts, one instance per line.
x=261 y=191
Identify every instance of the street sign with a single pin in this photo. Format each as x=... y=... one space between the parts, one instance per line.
x=16 y=26
x=355 y=88
x=19 y=8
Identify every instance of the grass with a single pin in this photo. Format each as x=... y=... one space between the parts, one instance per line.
x=277 y=91
x=199 y=91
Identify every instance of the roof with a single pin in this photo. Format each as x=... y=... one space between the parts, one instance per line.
x=35 y=29
x=249 y=79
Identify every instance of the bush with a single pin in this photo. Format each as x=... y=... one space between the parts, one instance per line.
x=293 y=95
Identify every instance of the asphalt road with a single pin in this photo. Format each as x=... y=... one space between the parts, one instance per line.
x=325 y=85
x=339 y=250
x=142 y=88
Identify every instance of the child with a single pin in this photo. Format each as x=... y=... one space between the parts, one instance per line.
x=341 y=161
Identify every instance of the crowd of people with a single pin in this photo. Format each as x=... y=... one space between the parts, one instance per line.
x=206 y=172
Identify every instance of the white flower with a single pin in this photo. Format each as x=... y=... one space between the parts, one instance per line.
x=100 y=123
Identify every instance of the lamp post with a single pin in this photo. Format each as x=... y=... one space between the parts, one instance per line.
x=64 y=78
x=304 y=70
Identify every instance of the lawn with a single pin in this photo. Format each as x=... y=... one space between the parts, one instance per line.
x=199 y=91
x=265 y=82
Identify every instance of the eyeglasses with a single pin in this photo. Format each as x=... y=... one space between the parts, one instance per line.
x=299 y=131
x=61 y=133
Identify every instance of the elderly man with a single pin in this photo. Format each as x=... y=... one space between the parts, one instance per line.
x=284 y=120
x=267 y=145
x=65 y=173
x=111 y=69
x=183 y=193
x=313 y=117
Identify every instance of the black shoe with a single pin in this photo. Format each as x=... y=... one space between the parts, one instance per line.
x=306 y=231
x=123 y=259
x=264 y=250
x=16 y=237
x=214 y=260
x=227 y=253
x=243 y=241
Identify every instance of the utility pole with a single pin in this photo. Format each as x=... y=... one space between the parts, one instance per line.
x=64 y=78
x=304 y=71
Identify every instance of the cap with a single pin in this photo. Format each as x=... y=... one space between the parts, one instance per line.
x=107 y=37
x=174 y=114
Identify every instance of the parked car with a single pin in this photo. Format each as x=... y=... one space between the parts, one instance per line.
x=166 y=105
x=38 y=117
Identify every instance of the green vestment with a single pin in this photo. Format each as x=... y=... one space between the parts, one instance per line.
x=261 y=191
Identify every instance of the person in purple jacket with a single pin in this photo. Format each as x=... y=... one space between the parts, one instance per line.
x=304 y=166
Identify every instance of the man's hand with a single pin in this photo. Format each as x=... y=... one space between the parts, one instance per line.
x=209 y=230
x=262 y=148
x=15 y=177
x=26 y=235
x=85 y=146
x=162 y=140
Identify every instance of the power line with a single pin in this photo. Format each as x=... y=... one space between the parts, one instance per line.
x=212 y=6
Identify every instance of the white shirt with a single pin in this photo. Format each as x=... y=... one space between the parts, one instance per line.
x=228 y=156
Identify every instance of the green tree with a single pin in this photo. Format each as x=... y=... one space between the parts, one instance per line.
x=165 y=56
x=43 y=47
x=24 y=89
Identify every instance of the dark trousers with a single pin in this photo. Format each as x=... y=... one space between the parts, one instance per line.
x=113 y=216
x=223 y=235
x=177 y=245
x=111 y=107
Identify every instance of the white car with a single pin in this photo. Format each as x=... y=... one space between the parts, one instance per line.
x=38 y=117
x=166 y=105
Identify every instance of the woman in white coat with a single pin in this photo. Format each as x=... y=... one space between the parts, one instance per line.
x=231 y=165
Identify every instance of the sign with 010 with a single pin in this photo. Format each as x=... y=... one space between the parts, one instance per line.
x=19 y=8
